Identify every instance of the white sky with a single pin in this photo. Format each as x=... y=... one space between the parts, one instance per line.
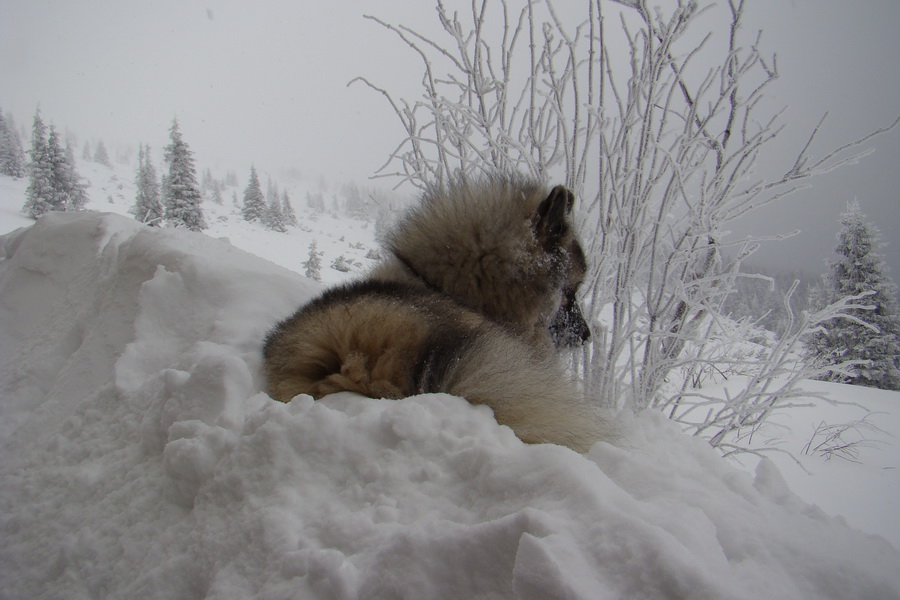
x=265 y=83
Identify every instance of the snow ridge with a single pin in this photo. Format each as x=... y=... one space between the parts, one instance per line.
x=141 y=459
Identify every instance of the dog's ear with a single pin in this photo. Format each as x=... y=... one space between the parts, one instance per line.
x=551 y=220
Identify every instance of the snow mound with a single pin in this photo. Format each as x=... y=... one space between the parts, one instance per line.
x=141 y=459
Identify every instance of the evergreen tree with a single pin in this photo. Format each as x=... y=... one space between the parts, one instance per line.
x=290 y=217
x=859 y=268
x=316 y=202
x=147 y=205
x=313 y=265
x=181 y=194
x=57 y=160
x=273 y=218
x=39 y=195
x=100 y=155
x=86 y=152
x=12 y=157
x=254 y=204
x=206 y=183
x=355 y=204
x=75 y=188
x=54 y=183
x=217 y=192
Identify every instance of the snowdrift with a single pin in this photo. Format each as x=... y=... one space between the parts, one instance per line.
x=141 y=459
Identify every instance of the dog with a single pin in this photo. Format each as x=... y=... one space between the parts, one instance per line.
x=474 y=297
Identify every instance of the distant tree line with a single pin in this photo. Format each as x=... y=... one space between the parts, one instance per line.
x=172 y=199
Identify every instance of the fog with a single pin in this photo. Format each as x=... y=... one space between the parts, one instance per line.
x=265 y=83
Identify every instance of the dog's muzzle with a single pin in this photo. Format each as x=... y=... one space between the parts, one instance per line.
x=568 y=328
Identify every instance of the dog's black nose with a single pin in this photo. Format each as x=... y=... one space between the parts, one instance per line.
x=568 y=328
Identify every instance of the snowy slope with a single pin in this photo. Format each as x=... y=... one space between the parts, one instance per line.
x=142 y=460
x=113 y=190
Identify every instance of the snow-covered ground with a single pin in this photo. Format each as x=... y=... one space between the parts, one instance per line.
x=141 y=458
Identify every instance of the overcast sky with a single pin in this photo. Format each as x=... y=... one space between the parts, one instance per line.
x=265 y=83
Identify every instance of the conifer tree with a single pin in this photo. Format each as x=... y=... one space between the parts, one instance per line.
x=315 y=202
x=39 y=195
x=313 y=265
x=206 y=183
x=217 y=192
x=181 y=194
x=355 y=203
x=147 y=205
x=273 y=218
x=12 y=157
x=74 y=188
x=876 y=339
x=287 y=210
x=86 y=151
x=254 y=204
x=54 y=183
x=57 y=170
x=100 y=154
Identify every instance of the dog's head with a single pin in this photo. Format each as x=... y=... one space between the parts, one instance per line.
x=554 y=231
x=502 y=246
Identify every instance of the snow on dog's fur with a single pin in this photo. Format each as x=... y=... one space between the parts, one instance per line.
x=476 y=291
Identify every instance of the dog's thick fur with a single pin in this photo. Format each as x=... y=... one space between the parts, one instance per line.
x=477 y=288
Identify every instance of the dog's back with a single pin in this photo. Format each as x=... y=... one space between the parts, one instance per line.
x=474 y=280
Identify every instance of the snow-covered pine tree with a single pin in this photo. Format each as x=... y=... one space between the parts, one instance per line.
x=287 y=210
x=57 y=160
x=12 y=157
x=86 y=152
x=206 y=183
x=75 y=189
x=147 y=207
x=355 y=204
x=39 y=195
x=100 y=154
x=216 y=192
x=254 y=203
x=316 y=202
x=181 y=194
x=313 y=265
x=273 y=218
x=858 y=269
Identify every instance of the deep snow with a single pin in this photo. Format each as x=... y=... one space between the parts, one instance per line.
x=141 y=459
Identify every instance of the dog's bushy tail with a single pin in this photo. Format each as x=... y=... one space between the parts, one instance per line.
x=528 y=392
